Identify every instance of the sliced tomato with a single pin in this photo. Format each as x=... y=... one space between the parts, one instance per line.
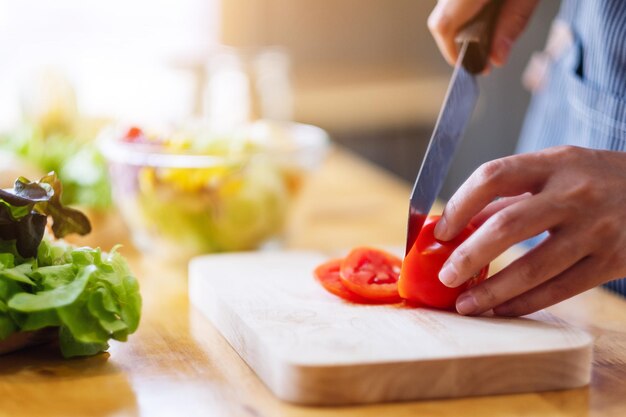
x=419 y=282
x=372 y=273
x=327 y=274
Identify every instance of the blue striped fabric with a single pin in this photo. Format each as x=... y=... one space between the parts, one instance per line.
x=583 y=102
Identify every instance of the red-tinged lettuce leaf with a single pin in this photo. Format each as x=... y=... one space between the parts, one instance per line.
x=24 y=210
x=33 y=192
x=65 y=220
x=24 y=195
x=13 y=199
x=27 y=231
x=30 y=231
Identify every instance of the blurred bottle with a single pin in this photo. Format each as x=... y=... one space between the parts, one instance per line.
x=247 y=85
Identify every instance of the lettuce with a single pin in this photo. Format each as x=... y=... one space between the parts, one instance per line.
x=89 y=295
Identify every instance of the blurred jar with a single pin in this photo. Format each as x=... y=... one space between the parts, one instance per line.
x=244 y=85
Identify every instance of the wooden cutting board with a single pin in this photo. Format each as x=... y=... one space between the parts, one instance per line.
x=309 y=347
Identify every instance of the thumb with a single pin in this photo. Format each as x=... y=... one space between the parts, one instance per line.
x=514 y=16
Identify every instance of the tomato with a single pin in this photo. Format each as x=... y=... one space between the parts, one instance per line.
x=419 y=280
x=134 y=134
x=327 y=274
x=372 y=273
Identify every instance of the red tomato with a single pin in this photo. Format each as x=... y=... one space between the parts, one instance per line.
x=419 y=280
x=134 y=134
x=372 y=273
x=327 y=274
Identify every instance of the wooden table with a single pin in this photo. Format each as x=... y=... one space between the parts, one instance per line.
x=178 y=365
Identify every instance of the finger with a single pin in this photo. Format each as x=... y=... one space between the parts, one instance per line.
x=514 y=16
x=554 y=255
x=579 y=278
x=503 y=177
x=495 y=207
x=445 y=21
x=440 y=27
x=518 y=222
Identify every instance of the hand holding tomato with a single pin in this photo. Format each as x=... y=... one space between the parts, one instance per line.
x=372 y=276
x=577 y=195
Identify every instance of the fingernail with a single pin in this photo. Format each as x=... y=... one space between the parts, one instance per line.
x=440 y=229
x=466 y=304
x=448 y=274
x=501 y=51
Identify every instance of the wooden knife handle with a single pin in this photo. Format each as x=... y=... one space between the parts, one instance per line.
x=479 y=33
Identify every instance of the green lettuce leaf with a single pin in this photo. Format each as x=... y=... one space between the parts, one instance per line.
x=7 y=325
x=47 y=300
x=18 y=273
x=8 y=288
x=72 y=347
x=90 y=295
x=39 y=320
x=54 y=276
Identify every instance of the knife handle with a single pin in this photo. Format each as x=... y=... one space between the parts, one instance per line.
x=479 y=33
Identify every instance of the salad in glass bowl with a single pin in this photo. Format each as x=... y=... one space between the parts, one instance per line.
x=192 y=190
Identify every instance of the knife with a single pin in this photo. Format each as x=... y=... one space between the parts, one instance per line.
x=454 y=116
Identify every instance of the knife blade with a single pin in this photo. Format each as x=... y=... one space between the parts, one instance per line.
x=454 y=116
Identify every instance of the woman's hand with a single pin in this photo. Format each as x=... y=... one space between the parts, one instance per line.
x=449 y=16
x=577 y=195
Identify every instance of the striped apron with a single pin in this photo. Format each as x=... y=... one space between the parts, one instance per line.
x=582 y=99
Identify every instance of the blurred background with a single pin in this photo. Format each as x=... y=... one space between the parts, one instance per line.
x=366 y=71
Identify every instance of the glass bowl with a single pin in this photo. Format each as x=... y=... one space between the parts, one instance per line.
x=192 y=191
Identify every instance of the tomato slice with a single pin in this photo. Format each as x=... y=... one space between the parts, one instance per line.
x=419 y=281
x=372 y=273
x=327 y=274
